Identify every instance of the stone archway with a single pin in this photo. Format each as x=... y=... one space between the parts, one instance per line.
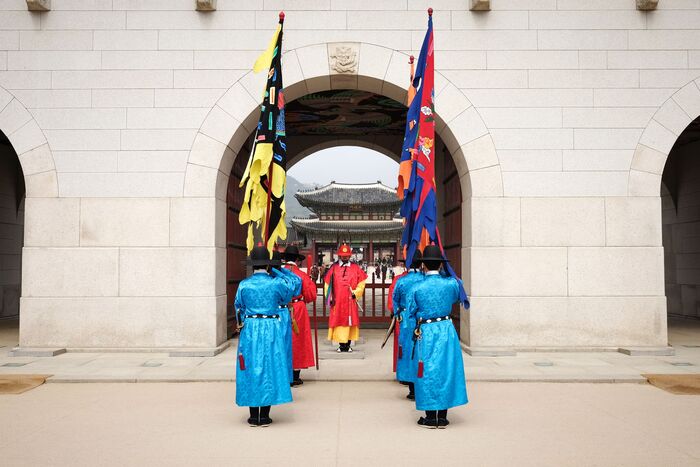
x=27 y=145
x=31 y=147
x=311 y=69
x=308 y=69
x=658 y=138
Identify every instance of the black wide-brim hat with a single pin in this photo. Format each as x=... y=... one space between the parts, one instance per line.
x=433 y=253
x=292 y=253
x=276 y=260
x=259 y=256
x=417 y=258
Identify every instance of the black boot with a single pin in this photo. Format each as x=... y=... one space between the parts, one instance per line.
x=430 y=420
x=411 y=392
x=254 y=416
x=442 y=419
x=265 y=419
x=344 y=346
x=297 y=378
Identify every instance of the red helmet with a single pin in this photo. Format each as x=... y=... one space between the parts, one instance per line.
x=344 y=251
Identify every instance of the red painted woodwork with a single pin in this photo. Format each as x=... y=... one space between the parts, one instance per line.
x=452 y=213
x=235 y=242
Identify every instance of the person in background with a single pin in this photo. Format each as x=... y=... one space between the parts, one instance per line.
x=401 y=292
x=302 y=347
x=344 y=285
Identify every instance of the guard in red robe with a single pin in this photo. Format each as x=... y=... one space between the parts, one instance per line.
x=302 y=347
x=344 y=285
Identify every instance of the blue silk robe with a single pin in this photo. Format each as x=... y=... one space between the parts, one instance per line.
x=400 y=297
x=262 y=345
x=443 y=384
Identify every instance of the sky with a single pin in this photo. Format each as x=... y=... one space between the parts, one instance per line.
x=346 y=164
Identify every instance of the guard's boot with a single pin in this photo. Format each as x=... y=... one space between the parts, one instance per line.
x=297 y=378
x=430 y=420
x=411 y=392
x=264 y=419
x=254 y=416
x=442 y=419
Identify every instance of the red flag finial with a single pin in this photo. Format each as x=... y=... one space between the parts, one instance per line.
x=281 y=16
x=430 y=12
x=411 y=59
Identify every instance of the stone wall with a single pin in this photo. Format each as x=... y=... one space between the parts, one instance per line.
x=560 y=114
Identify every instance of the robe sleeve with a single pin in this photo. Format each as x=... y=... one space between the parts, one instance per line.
x=359 y=290
x=392 y=290
x=238 y=306
x=308 y=288
x=287 y=284
x=410 y=302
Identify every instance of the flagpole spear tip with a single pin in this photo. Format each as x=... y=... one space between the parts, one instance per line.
x=430 y=12
x=281 y=16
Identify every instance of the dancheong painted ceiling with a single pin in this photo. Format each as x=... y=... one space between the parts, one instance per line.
x=345 y=112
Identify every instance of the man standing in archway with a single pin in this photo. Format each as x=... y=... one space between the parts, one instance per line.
x=344 y=285
x=302 y=348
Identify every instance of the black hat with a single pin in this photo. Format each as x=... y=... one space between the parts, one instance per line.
x=276 y=260
x=433 y=253
x=259 y=256
x=417 y=259
x=291 y=253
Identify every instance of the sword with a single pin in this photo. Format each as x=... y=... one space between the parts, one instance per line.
x=357 y=300
x=389 y=331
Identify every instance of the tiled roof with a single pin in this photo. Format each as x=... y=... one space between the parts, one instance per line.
x=345 y=194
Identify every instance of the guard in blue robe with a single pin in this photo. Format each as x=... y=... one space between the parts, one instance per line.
x=437 y=358
x=401 y=295
x=262 y=371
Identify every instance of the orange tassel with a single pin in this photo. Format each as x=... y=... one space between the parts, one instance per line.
x=420 y=369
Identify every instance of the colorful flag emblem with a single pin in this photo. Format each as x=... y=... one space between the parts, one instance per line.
x=265 y=176
x=416 y=183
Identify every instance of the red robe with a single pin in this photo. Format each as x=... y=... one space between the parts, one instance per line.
x=390 y=306
x=302 y=347
x=344 y=279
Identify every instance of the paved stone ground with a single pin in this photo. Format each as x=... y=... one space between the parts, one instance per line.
x=684 y=335
x=348 y=424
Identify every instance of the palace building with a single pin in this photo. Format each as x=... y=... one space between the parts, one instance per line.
x=362 y=215
x=566 y=136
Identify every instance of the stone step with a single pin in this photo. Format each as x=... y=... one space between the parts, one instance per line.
x=328 y=343
x=333 y=355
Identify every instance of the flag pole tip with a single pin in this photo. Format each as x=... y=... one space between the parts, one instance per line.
x=430 y=12
x=411 y=59
x=281 y=16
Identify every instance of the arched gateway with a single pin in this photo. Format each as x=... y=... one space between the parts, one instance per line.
x=314 y=69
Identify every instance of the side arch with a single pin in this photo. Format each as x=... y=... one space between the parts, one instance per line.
x=31 y=147
x=658 y=139
x=308 y=69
